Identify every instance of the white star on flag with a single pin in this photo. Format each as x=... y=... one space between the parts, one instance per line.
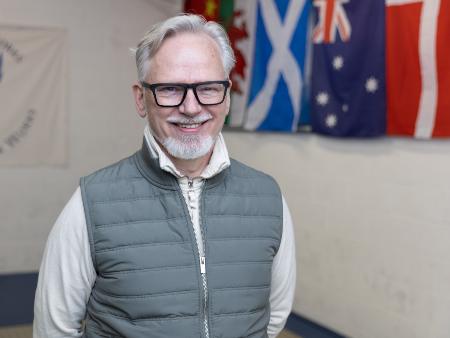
x=322 y=99
x=372 y=84
x=331 y=120
x=345 y=107
x=338 y=62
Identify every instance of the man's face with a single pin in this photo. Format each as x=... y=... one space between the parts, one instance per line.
x=189 y=130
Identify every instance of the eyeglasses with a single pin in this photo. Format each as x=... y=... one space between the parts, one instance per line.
x=173 y=94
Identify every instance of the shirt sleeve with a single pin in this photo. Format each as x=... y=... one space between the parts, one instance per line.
x=66 y=276
x=283 y=277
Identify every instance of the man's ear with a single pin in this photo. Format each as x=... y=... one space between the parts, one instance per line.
x=138 y=93
x=228 y=98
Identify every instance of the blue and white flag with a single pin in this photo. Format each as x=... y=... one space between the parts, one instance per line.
x=348 y=74
x=272 y=93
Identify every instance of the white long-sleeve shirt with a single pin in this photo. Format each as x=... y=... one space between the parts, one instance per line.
x=67 y=273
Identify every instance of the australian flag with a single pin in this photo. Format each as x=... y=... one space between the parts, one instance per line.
x=348 y=96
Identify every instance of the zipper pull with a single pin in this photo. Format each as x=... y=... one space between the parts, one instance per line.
x=190 y=183
x=202 y=265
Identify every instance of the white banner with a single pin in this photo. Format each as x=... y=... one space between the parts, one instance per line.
x=33 y=80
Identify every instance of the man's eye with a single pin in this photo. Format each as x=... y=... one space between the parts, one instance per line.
x=169 y=90
x=207 y=89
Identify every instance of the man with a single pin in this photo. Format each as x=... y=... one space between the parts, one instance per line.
x=176 y=240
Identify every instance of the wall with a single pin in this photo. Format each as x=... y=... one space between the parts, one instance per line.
x=371 y=216
x=103 y=124
x=372 y=229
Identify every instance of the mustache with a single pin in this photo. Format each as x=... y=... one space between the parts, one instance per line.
x=193 y=120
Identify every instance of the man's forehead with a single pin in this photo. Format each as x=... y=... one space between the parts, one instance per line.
x=186 y=53
x=188 y=42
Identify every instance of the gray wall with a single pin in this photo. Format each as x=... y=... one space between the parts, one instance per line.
x=371 y=217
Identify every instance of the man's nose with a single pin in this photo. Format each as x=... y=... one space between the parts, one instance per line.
x=190 y=105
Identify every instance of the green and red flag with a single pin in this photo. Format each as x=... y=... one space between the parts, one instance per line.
x=224 y=12
x=210 y=9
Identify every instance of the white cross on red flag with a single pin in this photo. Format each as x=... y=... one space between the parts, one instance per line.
x=418 y=68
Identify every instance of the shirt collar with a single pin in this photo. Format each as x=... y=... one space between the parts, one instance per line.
x=218 y=162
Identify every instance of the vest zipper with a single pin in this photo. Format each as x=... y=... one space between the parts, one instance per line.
x=205 y=295
x=202 y=265
x=202 y=258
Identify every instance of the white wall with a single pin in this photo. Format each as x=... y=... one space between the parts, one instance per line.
x=372 y=229
x=103 y=124
x=372 y=224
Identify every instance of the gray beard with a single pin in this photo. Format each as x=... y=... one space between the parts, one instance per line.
x=188 y=147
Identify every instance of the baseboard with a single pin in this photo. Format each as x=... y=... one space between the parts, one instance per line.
x=308 y=329
x=17 y=298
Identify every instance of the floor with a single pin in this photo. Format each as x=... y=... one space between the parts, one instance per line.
x=16 y=332
x=26 y=332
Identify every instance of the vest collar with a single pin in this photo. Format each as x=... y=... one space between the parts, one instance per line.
x=151 y=170
x=219 y=159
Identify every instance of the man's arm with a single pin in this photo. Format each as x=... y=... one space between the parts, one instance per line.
x=66 y=276
x=283 y=277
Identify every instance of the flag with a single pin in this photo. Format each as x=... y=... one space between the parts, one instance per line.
x=222 y=11
x=33 y=75
x=418 y=68
x=348 y=73
x=273 y=71
x=210 y=9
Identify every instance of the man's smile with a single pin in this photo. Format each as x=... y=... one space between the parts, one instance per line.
x=190 y=125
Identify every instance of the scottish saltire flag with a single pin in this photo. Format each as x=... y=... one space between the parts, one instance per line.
x=418 y=68
x=348 y=73
x=271 y=43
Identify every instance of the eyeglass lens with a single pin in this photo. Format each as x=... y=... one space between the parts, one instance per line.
x=172 y=95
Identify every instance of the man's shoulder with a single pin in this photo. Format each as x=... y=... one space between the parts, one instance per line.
x=243 y=171
x=239 y=168
x=122 y=169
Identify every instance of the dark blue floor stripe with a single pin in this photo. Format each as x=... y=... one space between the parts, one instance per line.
x=308 y=329
x=17 y=298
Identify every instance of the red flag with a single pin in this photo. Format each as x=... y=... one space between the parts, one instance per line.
x=418 y=68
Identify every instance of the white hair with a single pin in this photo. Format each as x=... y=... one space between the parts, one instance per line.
x=183 y=23
x=189 y=146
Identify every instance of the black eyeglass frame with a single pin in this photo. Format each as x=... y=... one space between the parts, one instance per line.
x=186 y=86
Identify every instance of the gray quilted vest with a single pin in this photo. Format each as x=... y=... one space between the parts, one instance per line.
x=149 y=282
